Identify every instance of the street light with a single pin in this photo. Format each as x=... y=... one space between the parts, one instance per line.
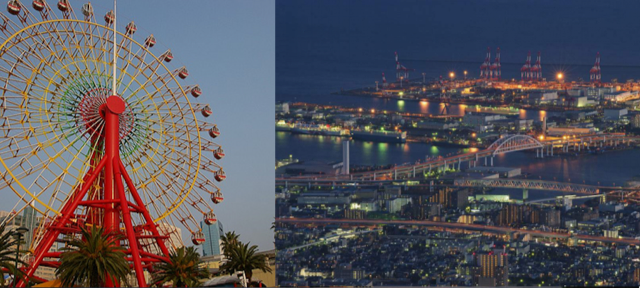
x=465 y=74
x=18 y=235
x=451 y=75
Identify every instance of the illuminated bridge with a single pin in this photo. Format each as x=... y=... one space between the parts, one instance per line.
x=506 y=144
x=529 y=184
x=461 y=226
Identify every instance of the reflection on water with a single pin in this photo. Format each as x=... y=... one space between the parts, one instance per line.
x=424 y=107
x=606 y=169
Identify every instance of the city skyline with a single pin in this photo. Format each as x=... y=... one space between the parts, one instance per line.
x=403 y=158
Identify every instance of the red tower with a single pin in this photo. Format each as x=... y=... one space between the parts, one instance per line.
x=110 y=201
x=485 y=67
x=536 y=70
x=496 y=72
x=594 y=74
x=525 y=71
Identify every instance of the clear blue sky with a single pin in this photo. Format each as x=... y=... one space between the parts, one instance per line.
x=229 y=49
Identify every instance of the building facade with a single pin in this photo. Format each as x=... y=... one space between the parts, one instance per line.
x=212 y=233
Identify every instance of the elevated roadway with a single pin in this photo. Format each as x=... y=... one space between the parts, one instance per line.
x=462 y=226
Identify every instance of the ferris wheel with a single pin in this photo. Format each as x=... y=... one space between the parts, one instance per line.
x=84 y=143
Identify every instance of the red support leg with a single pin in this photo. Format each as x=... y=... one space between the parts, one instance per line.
x=67 y=211
x=145 y=212
x=126 y=215
x=109 y=204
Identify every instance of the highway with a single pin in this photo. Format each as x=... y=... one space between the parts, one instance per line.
x=472 y=227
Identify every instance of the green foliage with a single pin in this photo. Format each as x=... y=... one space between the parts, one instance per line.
x=93 y=260
x=184 y=270
x=7 y=254
x=242 y=257
x=229 y=240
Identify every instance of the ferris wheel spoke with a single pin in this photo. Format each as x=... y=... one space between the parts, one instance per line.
x=85 y=166
x=9 y=57
x=24 y=160
x=89 y=41
x=140 y=71
x=62 y=42
x=149 y=79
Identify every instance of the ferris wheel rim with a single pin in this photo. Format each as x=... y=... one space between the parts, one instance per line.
x=179 y=201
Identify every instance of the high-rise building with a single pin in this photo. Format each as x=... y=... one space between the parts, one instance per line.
x=451 y=198
x=13 y=222
x=29 y=221
x=212 y=233
x=494 y=269
x=636 y=275
x=510 y=215
x=635 y=121
x=551 y=217
x=355 y=214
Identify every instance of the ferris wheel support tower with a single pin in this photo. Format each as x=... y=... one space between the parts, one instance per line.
x=113 y=202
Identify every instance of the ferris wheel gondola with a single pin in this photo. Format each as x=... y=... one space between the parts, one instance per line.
x=217 y=197
x=210 y=218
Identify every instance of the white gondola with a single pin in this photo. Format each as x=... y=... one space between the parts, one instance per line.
x=87 y=10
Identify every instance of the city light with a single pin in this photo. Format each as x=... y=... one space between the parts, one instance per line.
x=560 y=76
x=541 y=137
x=451 y=75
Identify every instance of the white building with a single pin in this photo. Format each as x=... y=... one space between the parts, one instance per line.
x=620 y=96
x=282 y=108
x=479 y=119
x=615 y=114
x=395 y=205
x=543 y=97
x=175 y=237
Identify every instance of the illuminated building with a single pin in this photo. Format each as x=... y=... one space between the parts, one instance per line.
x=494 y=269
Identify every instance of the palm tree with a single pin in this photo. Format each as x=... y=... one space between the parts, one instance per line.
x=8 y=254
x=229 y=240
x=243 y=258
x=93 y=260
x=184 y=270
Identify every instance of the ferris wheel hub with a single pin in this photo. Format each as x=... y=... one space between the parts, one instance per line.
x=115 y=104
